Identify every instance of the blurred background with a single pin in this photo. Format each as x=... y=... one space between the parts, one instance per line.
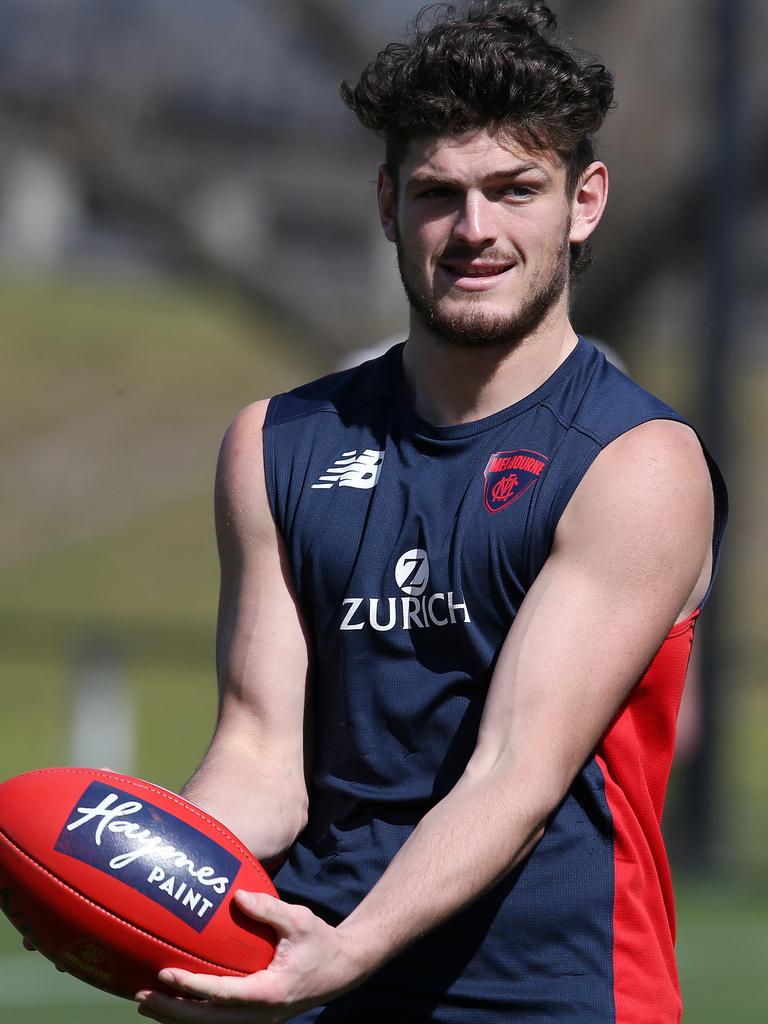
x=187 y=223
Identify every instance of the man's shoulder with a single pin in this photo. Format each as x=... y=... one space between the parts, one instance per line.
x=668 y=447
x=643 y=445
x=613 y=403
x=342 y=392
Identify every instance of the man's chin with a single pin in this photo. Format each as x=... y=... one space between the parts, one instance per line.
x=474 y=328
x=485 y=320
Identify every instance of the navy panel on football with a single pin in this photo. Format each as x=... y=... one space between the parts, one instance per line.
x=150 y=850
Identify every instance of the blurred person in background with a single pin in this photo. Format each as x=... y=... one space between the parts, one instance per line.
x=459 y=588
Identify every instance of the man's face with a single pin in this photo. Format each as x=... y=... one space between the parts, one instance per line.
x=482 y=227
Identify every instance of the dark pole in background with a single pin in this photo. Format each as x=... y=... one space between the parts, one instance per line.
x=722 y=208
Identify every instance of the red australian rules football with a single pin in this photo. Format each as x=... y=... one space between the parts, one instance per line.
x=113 y=879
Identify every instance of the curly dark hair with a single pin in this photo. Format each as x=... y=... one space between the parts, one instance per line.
x=495 y=65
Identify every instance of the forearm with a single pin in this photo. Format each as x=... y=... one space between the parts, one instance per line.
x=261 y=799
x=465 y=844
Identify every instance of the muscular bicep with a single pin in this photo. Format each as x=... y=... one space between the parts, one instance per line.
x=632 y=555
x=253 y=776
x=261 y=648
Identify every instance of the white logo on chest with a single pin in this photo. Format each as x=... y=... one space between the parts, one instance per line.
x=352 y=470
x=416 y=611
x=412 y=572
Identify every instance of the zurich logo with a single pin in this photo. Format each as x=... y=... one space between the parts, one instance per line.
x=412 y=572
x=417 y=610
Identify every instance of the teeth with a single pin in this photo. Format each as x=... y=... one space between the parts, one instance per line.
x=480 y=271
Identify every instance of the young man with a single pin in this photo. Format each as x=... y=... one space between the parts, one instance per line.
x=459 y=585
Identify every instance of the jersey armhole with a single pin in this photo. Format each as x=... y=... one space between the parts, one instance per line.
x=270 y=461
x=568 y=487
x=685 y=625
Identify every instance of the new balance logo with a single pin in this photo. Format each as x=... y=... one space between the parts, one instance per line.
x=352 y=470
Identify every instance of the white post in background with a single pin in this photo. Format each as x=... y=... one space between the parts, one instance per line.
x=103 y=710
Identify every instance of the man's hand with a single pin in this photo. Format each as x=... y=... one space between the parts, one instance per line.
x=312 y=964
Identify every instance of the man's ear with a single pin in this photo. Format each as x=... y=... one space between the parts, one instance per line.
x=387 y=195
x=589 y=201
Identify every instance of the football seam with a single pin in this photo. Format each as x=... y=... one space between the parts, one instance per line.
x=174 y=798
x=120 y=920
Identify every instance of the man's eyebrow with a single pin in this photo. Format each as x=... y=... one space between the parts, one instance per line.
x=429 y=177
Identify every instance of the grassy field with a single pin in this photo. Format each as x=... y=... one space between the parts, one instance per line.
x=113 y=401
x=112 y=404
x=721 y=947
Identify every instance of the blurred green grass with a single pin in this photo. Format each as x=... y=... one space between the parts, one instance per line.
x=721 y=951
x=113 y=399
x=120 y=549
x=125 y=390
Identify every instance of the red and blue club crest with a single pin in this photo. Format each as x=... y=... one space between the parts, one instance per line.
x=509 y=475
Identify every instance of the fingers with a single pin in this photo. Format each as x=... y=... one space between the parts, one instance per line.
x=33 y=949
x=168 y=1010
x=261 y=989
x=164 y=1009
x=202 y=986
x=285 y=918
x=265 y=996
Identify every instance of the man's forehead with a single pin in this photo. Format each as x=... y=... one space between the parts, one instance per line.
x=475 y=150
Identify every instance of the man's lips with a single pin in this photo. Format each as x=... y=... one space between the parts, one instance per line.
x=475 y=276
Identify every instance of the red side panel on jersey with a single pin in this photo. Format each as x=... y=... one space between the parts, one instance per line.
x=635 y=757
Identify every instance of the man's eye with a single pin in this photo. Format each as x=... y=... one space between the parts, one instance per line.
x=519 y=191
x=436 y=192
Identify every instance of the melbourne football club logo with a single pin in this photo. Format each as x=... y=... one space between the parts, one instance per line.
x=352 y=470
x=509 y=475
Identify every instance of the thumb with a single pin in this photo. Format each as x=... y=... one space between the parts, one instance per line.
x=268 y=909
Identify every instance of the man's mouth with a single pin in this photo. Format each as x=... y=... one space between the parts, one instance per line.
x=472 y=276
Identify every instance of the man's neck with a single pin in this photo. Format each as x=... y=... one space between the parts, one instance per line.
x=450 y=384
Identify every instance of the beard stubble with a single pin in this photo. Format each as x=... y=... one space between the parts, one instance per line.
x=478 y=327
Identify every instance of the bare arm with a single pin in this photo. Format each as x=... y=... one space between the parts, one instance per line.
x=252 y=777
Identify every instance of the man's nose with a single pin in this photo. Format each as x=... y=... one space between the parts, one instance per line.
x=476 y=221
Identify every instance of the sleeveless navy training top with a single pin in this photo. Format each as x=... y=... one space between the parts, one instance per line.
x=411 y=548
